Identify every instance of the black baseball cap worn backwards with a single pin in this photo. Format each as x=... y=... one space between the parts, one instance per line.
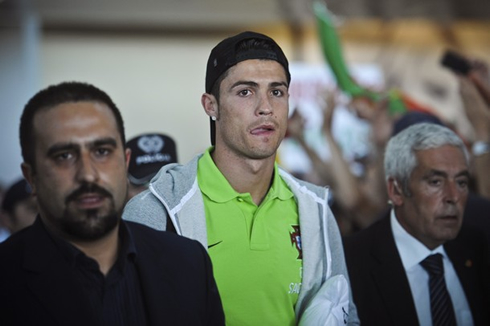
x=224 y=56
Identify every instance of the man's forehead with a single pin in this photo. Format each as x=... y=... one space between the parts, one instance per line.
x=80 y=121
x=440 y=151
x=76 y=106
x=444 y=157
x=255 y=67
x=69 y=112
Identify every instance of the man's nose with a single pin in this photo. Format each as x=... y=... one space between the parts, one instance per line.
x=265 y=105
x=452 y=192
x=86 y=169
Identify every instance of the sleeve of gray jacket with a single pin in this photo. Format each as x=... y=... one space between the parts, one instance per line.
x=338 y=264
x=146 y=209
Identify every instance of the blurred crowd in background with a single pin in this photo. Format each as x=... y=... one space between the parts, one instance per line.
x=358 y=194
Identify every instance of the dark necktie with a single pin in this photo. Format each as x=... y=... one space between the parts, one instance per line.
x=441 y=306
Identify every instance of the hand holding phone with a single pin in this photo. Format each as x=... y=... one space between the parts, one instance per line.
x=456 y=62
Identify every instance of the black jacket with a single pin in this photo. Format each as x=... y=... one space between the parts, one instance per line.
x=380 y=286
x=37 y=286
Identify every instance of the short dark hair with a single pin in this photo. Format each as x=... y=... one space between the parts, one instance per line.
x=244 y=46
x=54 y=95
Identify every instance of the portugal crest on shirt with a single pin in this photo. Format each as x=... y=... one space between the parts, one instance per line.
x=296 y=240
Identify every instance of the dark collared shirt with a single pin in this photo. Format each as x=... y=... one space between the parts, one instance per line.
x=115 y=299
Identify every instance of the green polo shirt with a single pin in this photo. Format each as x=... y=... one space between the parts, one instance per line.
x=255 y=250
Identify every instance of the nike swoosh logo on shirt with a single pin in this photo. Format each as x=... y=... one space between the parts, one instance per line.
x=214 y=244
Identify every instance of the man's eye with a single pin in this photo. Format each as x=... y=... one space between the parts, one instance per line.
x=435 y=182
x=244 y=92
x=277 y=92
x=103 y=151
x=463 y=183
x=63 y=156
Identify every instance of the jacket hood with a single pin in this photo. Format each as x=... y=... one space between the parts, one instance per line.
x=174 y=181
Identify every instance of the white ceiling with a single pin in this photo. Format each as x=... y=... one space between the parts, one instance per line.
x=158 y=14
x=206 y=15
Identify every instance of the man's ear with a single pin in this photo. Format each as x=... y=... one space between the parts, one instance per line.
x=395 y=192
x=28 y=173
x=210 y=105
x=127 y=154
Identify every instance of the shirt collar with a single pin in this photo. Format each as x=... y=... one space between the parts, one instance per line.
x=128 y=248
x=214 y=184
x=411 y=250
x=72 y=253
x=279 y=189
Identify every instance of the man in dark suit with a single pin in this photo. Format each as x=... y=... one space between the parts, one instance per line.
x=426 y=169
x=80 y=264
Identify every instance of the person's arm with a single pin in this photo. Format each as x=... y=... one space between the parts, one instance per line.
x=374 y=185
x=321 y=168
x=344 y=182
x=478 y=113
x=480 y=77
x=374 y=199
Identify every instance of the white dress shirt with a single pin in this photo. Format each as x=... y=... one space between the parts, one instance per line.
x=412 y=252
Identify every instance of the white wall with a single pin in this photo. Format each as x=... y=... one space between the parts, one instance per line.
x=19 y=79
x=156 y=82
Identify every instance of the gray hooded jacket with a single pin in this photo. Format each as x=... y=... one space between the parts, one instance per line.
x=174 y=193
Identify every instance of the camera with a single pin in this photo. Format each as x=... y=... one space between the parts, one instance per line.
x=456 y=62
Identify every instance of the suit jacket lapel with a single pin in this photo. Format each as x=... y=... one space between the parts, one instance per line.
x=154 y=281
x=389 y=275
x=51 y=280
x=463 y=260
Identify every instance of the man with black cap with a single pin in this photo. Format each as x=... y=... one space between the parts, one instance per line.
x=274 y=243
x=149 y=152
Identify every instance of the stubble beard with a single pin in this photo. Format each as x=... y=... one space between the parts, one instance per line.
x=89 y=225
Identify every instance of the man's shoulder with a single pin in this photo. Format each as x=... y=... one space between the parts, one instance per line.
x=177 y=170
x=28 y=247
x=469 y=236
x=144 y=199
x=11 y=246
x=160 y=240
x=362 y=239
x=16 y=241
x=476 y=212
x=295 y=183
x=167 y=251
x=175 y=180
